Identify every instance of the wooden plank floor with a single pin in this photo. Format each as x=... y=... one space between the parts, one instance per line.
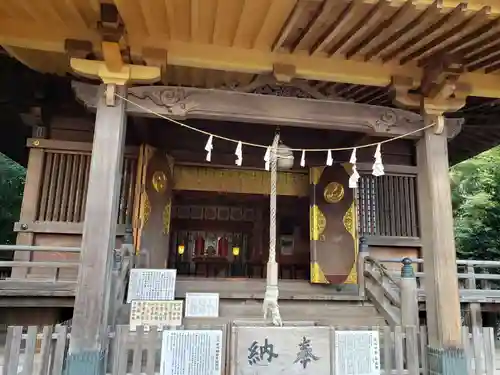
x=227 y=288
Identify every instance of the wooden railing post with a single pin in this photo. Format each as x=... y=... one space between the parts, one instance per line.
x=476 y=319
x=409 y=295
x=362 y=254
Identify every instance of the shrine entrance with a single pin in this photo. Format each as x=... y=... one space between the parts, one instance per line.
x=225 y=235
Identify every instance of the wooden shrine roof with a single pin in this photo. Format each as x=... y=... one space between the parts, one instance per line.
x=206 y=42
x=340 y=48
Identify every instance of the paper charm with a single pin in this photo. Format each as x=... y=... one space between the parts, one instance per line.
x=239 y=154
x=329 y=158
x=303 y=159
x=353 y=179
x=378 y=167
x=267 y=159
x=209 y=147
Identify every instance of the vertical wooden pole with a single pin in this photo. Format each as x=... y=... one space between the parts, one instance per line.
x=31 y=198
x=438 y=245
x=87 y=350
x=363 y=253
x=409 y=295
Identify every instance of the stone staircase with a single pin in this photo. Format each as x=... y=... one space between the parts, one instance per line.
x=337 y=313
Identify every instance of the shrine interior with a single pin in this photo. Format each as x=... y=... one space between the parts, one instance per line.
x=226 y=235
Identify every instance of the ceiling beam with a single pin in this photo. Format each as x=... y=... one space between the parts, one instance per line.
x=232 y=59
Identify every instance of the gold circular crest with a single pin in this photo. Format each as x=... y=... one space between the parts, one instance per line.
x=160 y=181
x=334 y=192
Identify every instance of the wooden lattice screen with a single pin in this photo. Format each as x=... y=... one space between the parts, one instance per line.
x=387 y=206
x=64 y=187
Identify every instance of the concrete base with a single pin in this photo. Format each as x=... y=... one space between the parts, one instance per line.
x=86 y=363
x=449 y=361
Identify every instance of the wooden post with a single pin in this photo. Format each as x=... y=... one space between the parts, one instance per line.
x=446 y=355
x=362 y=254
x=87 y=350
x=409 y=295
x=476 y=320
x=29 y=206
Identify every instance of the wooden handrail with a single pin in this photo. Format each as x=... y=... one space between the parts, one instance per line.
x=460 y=262
x=55 y=249
x=381 y=268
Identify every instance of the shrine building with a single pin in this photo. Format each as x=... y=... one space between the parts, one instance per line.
x=111 y=103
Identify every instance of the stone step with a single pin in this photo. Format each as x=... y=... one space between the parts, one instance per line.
x=322 y=312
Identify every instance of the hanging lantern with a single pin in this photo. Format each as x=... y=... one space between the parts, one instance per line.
x=284 y=157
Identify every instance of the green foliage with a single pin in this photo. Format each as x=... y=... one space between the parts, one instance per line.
x=475 y=185
x=12 y=177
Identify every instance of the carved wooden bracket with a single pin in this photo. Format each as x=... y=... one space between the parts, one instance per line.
x=183 y=103
x=431 y=98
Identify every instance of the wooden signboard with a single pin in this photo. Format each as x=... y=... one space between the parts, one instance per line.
x=151 y=285
x=191 y=352
x=357 y=353
x=202 y=305
x=155 y=314
x=332 y=226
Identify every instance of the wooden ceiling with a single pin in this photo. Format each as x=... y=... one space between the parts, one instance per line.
x=210 y=43
x=336 y=48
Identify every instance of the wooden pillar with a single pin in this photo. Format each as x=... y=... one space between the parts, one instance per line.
x=31 y=200
x=89 y=332
x=362 y=254
x=438 y=245
x=409 y=295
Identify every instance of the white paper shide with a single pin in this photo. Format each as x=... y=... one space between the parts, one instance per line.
x=191 y=352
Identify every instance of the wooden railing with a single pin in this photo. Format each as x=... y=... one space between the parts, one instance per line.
x=479 y=280
x=383 y=290
x=403 y=350
x=396 y=293
x=48 y=271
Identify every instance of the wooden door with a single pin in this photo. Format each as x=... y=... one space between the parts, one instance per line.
x=333 y=233
x=153 y=207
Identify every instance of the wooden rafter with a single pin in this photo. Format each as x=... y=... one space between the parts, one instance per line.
x=244 y=38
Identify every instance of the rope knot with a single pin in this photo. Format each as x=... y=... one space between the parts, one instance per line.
x=270 y=305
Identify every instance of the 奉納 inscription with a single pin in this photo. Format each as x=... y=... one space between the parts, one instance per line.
x=257 y=353
x=305 y=354
x=282 y=350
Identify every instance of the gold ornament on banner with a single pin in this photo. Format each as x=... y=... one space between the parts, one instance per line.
x=334 y=192
x=159 y=181
x=318 y=221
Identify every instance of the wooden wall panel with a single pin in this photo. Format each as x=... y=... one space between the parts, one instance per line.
x=75 y=129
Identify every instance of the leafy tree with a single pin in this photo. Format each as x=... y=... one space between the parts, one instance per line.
x=475 y=187
x=12 y=177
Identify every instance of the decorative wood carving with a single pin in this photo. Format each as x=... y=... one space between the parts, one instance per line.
x=174 y=100
x=182 y=103
x=267 y=85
